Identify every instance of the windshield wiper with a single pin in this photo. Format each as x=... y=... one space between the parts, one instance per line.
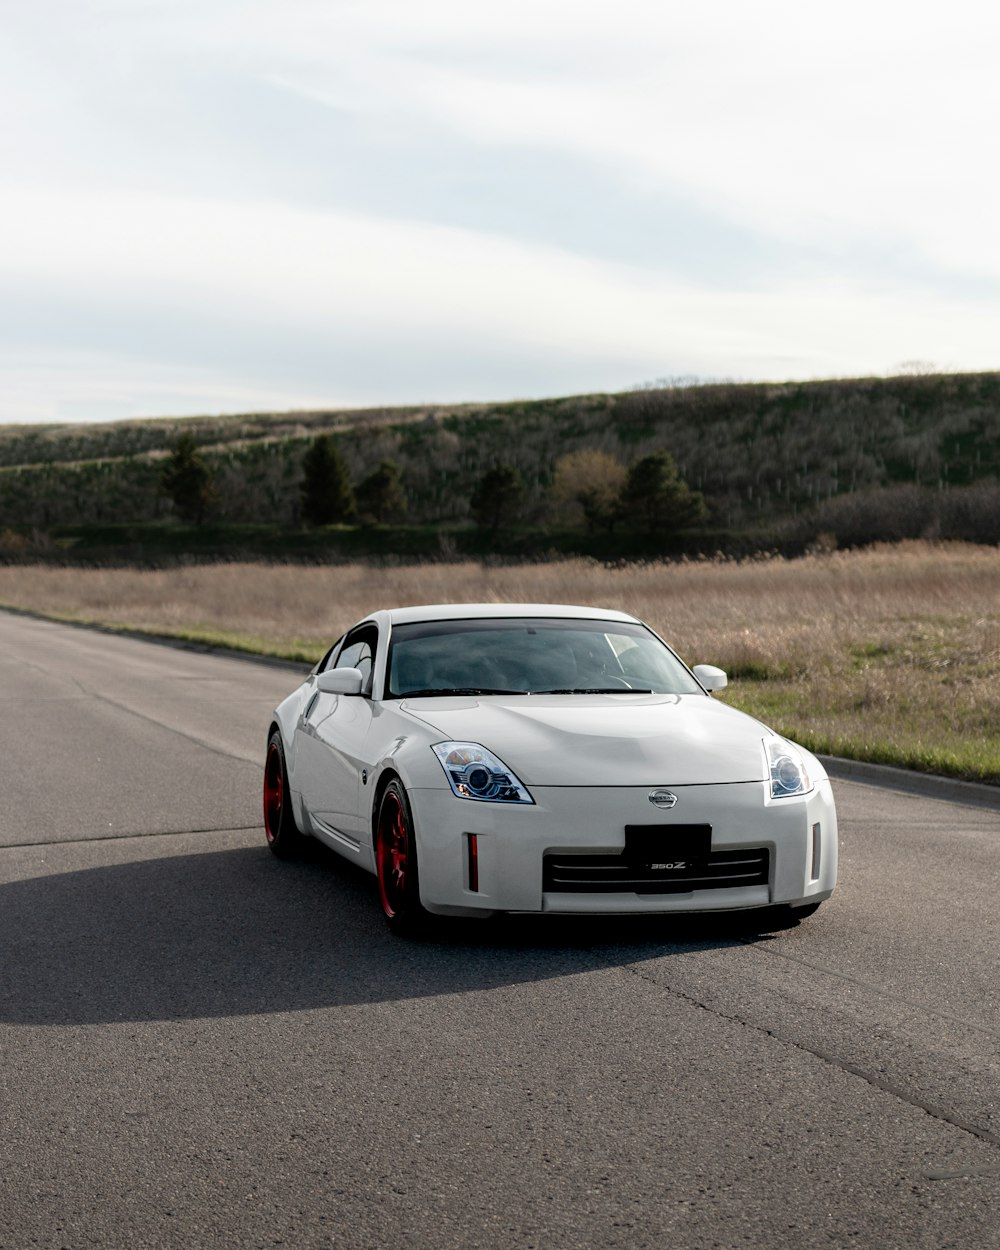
x=593 y=690
x=442 y=690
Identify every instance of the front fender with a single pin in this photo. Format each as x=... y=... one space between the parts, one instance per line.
x=286 y=715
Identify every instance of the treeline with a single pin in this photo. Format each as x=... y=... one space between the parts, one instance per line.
x=650 y=498
x=793 y=460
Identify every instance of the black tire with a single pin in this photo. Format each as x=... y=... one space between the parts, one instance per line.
x=396 y=864
x=283 y=835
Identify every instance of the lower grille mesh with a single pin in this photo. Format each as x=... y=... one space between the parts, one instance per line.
x=607 y=874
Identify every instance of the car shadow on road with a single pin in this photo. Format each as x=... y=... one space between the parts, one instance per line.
x=236 y=932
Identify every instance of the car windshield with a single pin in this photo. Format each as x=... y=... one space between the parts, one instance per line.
x=528 y=655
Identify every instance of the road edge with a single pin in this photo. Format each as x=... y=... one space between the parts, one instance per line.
x=932 y=785
x=164 y=640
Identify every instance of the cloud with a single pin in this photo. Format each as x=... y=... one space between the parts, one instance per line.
x=351 y=199
x=219 y=283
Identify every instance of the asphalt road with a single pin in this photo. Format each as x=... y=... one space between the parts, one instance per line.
x=203 y=1047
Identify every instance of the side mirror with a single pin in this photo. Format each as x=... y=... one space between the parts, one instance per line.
x=340 y=681
x=711 y=678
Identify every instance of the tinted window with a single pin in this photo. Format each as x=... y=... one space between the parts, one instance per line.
x=532 y=656
x=359 y=652
x=325 y=662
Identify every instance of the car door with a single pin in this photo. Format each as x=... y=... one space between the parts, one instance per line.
x=330 y=746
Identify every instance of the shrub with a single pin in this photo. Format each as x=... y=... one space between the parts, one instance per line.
x=589 y=481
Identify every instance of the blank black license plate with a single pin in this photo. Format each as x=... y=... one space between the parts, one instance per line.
x=647 y=844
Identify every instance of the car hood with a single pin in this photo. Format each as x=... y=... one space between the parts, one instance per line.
x=605 y=740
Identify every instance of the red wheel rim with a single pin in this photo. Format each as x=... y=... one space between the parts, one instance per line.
x=274 y=785
x=391 y=854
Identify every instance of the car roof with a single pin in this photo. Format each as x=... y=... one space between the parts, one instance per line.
x=467 y=611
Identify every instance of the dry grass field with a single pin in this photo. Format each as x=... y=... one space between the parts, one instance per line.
x=889 y=654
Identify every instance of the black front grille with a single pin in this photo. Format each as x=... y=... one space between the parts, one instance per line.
x=565 y=873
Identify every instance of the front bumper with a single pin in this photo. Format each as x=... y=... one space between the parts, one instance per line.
x=512 y=840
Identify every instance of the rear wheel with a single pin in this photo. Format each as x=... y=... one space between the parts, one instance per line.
x=282 y=833
x=396 y=864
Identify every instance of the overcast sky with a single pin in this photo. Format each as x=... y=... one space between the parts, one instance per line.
x=219 y=205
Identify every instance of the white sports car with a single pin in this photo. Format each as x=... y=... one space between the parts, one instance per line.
x=526 y=758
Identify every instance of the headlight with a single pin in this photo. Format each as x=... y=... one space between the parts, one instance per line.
x=789 y=774
x=475 y=773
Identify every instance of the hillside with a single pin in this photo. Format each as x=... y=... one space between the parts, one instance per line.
x=777 y=459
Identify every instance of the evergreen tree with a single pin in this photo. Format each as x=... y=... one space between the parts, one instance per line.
x=497 y=497
x=656 y=499
x=327 y=493
x=188 y=480
x=381 y=496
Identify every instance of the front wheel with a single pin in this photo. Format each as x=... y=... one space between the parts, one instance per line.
x=396 y=864
x=282 y=833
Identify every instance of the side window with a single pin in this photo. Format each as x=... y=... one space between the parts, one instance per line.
x=325 y=663
x=358 y=652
